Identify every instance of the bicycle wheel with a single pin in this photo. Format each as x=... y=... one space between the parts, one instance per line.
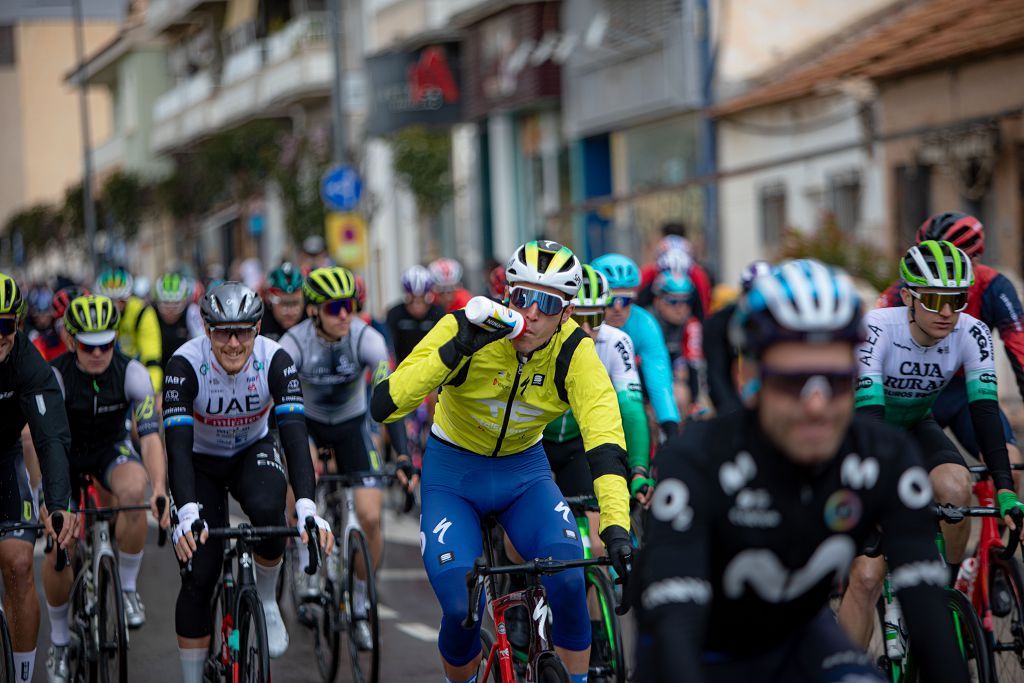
x=365 y=662
x=82 y=662
x=253 y=652
x=214 y=669
x=551 y=670
x=1006 y=599
x=607 y=658
x=327 y=633
x=113 y=634
x=6 y=652
x=970 y=636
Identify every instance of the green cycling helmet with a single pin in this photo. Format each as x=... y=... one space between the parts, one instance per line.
x=92 y=319
x=329 y=284
x=937 y=264
x=172 y=288
x=594 y=292
x=11 y=300
x=115 y=283
x=285 y=279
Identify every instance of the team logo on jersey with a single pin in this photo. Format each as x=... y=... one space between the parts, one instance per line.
x=987 y=377
x=914 y=489
x=753 y=508
x=172 y=395
x=864 y=383
x=538 y=380
x=842 y=510
x=671 y=503
x=982 y=340
x=621 y=348
x=204 y=368
x=735 y=475
x=763 y=571
x=857 y=473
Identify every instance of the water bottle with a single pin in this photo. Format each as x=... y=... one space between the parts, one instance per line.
x=491 y=315
x=966 y=576
x=895 y=641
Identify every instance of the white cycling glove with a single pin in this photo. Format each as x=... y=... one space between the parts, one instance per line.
x=304 y=507
x=187 y=515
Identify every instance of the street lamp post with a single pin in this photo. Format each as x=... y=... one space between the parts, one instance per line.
x=89 y=208
x=335 y=17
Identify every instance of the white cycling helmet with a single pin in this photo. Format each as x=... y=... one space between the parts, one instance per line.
x=447 y=272
x=417 y=281
x=937 y=264
x=543 y=262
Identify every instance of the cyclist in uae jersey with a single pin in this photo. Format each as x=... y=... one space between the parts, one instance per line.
x=993 y=300
x=757 y=513
x=484 y=455
x=218 y=395
x=909 y=357
x=562 y=440
x=648 y=341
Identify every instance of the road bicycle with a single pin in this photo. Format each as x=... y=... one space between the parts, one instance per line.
x=542 y=663
x=238 y=650
x=607 y=656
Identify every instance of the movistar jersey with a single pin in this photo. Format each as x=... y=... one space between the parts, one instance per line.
x=497 y=403
x=906 y=378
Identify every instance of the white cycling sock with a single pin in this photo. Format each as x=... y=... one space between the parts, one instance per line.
x=60 y=632
x=303 y=552
x=128 y=565
x=266 y=582
x=192 y=661
x=359 y=605
x=24 y=664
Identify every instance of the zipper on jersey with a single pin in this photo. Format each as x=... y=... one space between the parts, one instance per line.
x=508 y=406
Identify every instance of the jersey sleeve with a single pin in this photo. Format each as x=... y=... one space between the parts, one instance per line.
x=674 y=566
x=181 y=386
x=979 y=362
x=286 y=391
x=719 y=354
x=656 y=368
x=870 y=361
x=149 y=343
x=422 y=371
x=1001 y=308
x=42 y=403
x=622 y=371
x=918 y=572
x=374 y=355
x=589 y=392
x=138 y=387
x=290 y=344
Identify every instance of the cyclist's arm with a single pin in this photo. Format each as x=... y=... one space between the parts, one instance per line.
x=286 y=391
x=626 y=382
x=1001 y=309
x=139 y=390
x=374 y=355
x=181 y=387
x=870 y=396
x=674 y=570
x=719 y=355
x=983 y=398
x=657 y=370
x=149 y=345
x=423 y=371
x=693 y=352
x=918 y=573
x=43 y=406
x=588 y=391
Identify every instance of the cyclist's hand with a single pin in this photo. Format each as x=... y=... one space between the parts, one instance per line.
x=471 y=338
x=1008 y=505
x=408 y=475
x=67 y=532
x=304 y=507
x=620 y=550
x=641 y=486
x=165 y=520
x=184 y=542
x=666 y=430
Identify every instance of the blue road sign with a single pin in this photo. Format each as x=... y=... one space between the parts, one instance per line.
x=341 y=188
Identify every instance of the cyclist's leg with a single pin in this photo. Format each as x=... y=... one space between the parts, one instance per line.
x=824 y=654
x=125 y=477
x=540 y=524
x=21 y=604
x=950 y=481
x=450 y=542
x=864 y=588
x=574 y=479
x=57 y=591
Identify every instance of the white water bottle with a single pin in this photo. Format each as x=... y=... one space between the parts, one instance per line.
x=895 y=643
x=491 y=315
x=966 y=576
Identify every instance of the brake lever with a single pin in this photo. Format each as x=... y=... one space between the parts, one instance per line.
x=313 y=545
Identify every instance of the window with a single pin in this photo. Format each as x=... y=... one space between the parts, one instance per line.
x=7 y=54
x=844 y=200
x=773 y=214
x=913 y=198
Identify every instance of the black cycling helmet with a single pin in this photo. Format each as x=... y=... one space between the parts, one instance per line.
x=231 y=303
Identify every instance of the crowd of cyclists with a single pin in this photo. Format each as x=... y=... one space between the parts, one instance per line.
x=743 y=444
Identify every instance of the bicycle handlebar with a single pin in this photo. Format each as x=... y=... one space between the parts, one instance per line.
x=353 y=479
x=538 y=567
x=253 y=534
x=954 y=514
x=583 y=503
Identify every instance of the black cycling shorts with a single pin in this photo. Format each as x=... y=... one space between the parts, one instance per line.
x=570 y=467
x=936 y=448
x=16 y=504
x=255 y=478
x=100 y=464
x=351 y=444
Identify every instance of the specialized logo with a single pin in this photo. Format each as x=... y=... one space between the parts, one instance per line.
x=542 y=617
x=563 y=508
x=857 y=473
x=441 y=529
x=773 y=582
x=914 y=489
x=735 y=475
x=671 y=503
x=843 y=510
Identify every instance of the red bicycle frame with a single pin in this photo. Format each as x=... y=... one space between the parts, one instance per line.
x=990 y=538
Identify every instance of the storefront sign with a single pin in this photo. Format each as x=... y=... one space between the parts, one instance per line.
x=420 y=87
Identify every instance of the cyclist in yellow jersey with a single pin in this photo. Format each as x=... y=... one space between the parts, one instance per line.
x=138 y=335
x=484 y=454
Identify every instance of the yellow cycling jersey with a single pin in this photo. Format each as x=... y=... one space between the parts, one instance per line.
x=494 y=403
x=138 y=336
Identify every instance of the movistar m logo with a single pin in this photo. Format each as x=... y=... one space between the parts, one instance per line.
x=773 y=582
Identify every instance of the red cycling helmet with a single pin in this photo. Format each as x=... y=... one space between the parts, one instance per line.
x=62 y=298
x=964 y=231
x=361 y=292
x=496 y=282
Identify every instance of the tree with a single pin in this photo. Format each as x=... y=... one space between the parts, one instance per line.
x=126 y=199
x=830 y=244
x=37 y=225
x=422 y=160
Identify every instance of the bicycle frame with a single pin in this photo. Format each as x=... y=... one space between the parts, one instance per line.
x=231 y=590
x=533 y=599
x=990 y=538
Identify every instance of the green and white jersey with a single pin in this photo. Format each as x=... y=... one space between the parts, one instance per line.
x=906 y=378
